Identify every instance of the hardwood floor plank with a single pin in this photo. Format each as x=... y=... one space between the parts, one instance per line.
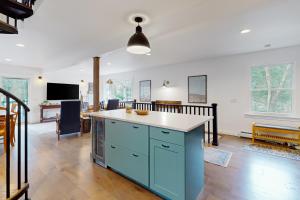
x=63 y=170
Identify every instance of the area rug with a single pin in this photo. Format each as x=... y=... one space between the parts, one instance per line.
x=217 y=156
x=288 y=153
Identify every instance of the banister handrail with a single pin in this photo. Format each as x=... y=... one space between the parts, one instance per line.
x=22 y=189
x=14 y=98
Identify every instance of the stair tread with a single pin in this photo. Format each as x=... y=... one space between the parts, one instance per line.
x=7 y=28
x=15 y=9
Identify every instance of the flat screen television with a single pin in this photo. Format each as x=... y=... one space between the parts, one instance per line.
x=58 y=91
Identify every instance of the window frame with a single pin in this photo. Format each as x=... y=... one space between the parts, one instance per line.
x=293 y=89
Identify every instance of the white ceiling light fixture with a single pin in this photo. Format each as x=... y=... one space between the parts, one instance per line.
x=109 y=63
x=138 y=42
x=20 y=45
x=244 y=31
x=148 y=54
x=8 y=59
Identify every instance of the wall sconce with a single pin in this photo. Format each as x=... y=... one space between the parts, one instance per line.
x=109 y=82
x=166 y=83
x=40 y=77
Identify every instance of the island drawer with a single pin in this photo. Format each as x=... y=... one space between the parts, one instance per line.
x=171 y=136
x=129 y=135
x=130 y=163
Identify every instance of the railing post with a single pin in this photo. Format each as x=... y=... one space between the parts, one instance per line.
x=19 y=146
x=215 y=124
x=134 y=104
x=26 y=152
x=7 y=147
x=153 y=105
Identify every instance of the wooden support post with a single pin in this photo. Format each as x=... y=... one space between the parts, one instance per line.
x=96 y=82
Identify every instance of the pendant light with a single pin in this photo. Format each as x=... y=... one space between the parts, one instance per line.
x=138 y=42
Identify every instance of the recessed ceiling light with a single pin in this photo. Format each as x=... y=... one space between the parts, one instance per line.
x=20 y=45
x=244 y=31
x=7 y=59
x=109 y=63
x=82 y=70
x=148 y=54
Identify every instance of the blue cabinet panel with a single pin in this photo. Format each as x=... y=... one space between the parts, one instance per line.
x=171 y=136
x=167 y=169
x=116 y=157
x=132 y=136
x=138 y=166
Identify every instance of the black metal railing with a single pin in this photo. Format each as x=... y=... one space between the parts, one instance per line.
x=15 y=10
x=22 y=189
x=187 y=109
x=28 y=3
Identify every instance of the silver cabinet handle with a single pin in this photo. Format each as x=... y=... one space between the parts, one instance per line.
x=135 y=127
x=113 y=147
x=165 y=132
x=113 y=122
x=135 y=155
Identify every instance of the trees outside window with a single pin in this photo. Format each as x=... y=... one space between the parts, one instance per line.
x=118 y=89
x=272 y=88
x=18 y=87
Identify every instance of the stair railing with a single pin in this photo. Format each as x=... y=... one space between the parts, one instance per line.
x=187 y=109
x=22 y=189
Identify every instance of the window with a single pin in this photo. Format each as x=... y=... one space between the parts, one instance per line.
x=118 y=89
x=272 y=88
x=17 y=87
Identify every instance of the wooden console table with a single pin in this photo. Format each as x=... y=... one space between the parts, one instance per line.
x=47 y=107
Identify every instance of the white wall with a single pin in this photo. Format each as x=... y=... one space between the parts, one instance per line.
x=37 y=87
x=228 y=84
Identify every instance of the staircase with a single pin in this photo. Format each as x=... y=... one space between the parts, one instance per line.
x=22 y=185
x=16 y=10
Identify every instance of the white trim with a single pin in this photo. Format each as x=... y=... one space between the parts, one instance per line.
x=272 y=116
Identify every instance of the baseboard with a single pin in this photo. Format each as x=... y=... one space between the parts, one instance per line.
x=245 y=134
x=231 y=134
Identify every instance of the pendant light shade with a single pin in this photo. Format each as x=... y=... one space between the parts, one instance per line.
x=138 y=43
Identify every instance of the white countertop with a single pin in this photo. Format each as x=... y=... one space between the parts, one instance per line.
x=174 y=121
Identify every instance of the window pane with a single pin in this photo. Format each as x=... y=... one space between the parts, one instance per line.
x=259 y=101
x=258 y=78
x=118 y=89
x=281 y=76
x=281 y=101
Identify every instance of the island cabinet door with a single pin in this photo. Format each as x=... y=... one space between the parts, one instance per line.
x=167 y=171
x=116 y=158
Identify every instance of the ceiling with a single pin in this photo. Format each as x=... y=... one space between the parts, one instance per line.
x=63 y=33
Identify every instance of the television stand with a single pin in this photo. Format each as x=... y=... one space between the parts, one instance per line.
x=48 y=107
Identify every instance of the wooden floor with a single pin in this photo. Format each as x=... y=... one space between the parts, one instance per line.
x=63 y=171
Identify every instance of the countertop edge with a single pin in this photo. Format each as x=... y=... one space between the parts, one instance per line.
x=156 y=125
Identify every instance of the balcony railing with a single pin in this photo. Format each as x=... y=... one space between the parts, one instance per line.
x=22 y=186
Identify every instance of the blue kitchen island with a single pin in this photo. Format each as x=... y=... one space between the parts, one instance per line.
x=161 y=151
